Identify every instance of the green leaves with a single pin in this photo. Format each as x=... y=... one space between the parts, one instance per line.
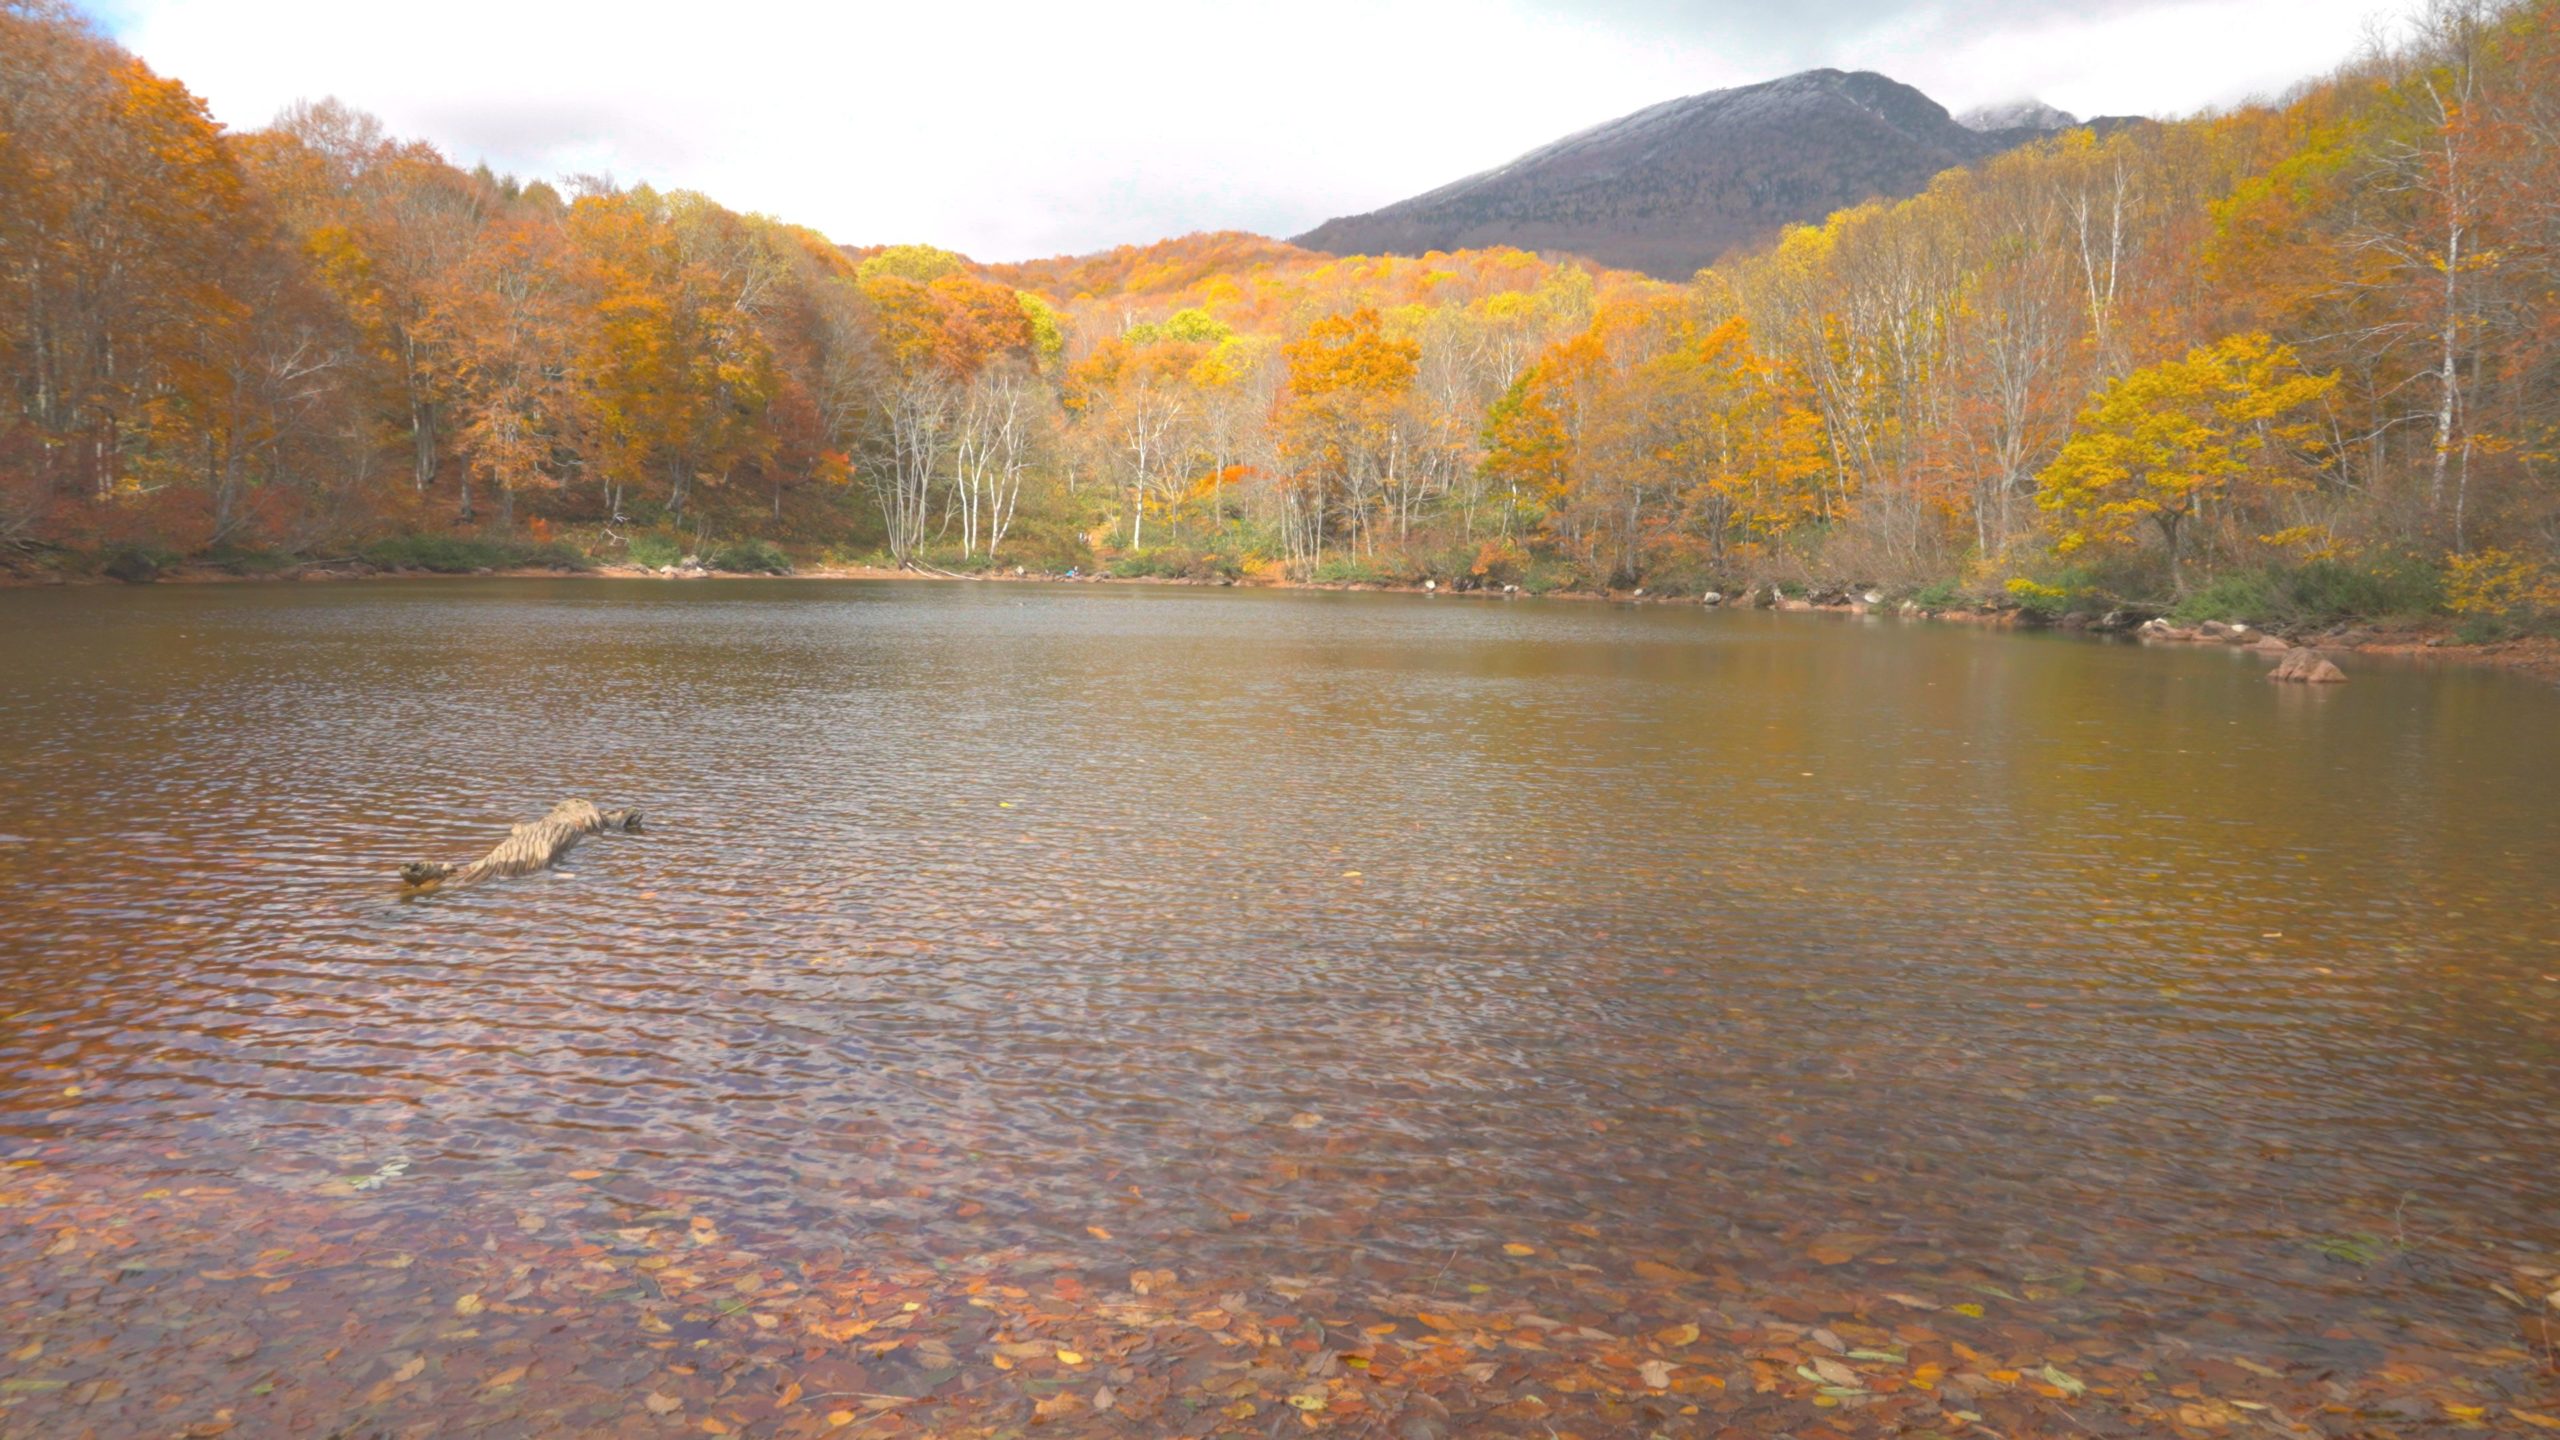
x=389 y=1171
x=2362 y=1251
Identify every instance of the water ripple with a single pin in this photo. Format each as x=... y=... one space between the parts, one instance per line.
x=1678 y=924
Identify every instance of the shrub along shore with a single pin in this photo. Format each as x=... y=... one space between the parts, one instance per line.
x=2322 y=606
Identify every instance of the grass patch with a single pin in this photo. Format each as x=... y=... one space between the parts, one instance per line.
x=241 y=560
x=957 y=563
x=1350 y=570
x=842 y=558
x=459 y=555
x=441 y=554
x=1176 y=562
x=1547 y=576
x=1162 y=563
x=2093 y=586
x=751 y=557
x=2490 y=629
x=1939 y=595
x=1681 y=576
x=135 y=564
x=657 y=552
x=1043 y=545
x=2321 y=592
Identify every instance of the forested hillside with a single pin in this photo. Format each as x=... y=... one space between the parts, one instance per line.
x=2304 y=356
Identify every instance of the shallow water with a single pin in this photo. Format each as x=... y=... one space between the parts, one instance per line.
x=994 y=950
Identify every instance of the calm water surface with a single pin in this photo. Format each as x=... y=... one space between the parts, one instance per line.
x=1012 y=941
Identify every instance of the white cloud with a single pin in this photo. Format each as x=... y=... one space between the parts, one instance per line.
x=2169 y=58
x=1011 y=128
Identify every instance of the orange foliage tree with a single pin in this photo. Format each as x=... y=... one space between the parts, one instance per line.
x=1347 y=380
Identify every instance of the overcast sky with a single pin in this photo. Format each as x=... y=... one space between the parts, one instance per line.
x=1019 y=128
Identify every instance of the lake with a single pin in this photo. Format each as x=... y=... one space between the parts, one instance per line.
x=1138 y=1010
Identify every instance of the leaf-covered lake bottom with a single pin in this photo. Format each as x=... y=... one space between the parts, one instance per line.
x=1165 y=1013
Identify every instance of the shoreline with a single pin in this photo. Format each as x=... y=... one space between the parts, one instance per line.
x=2535 y=656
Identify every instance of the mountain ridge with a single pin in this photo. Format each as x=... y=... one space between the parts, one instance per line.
x=1670 y=188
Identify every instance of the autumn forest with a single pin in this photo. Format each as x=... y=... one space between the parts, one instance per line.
x=2298 y=357
x=899 y=1003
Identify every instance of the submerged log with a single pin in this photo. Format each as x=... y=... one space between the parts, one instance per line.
x=528 y=848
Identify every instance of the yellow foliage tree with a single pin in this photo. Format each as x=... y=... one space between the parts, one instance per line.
x=2163 y=442
x=1742 y=435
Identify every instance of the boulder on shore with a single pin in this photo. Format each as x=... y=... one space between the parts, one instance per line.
x=2307 y=667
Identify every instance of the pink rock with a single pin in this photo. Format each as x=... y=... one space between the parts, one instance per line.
x=2307 y=667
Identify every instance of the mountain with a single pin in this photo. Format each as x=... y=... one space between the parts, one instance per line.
x=1669 y=189
x=2016 y=115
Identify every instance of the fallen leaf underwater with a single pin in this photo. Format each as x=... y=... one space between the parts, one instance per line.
x=636 y=1305
x=1628 y=1093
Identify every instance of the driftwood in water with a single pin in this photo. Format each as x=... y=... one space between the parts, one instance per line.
x=528 y=848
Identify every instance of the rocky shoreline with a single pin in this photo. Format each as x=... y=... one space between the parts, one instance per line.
x=2311 y=646
x=2537 y=656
